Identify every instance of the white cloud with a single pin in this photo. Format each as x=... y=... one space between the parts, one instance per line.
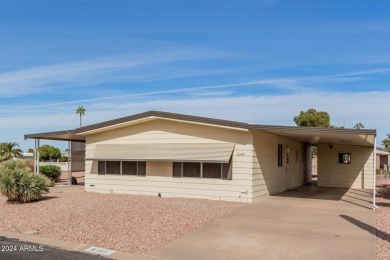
x=277 y=83
x=211 y=93
x=103 y=70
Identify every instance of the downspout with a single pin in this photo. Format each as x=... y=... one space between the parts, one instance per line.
x=374 y=173
x=35 y=155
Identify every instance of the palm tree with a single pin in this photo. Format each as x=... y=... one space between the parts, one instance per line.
x=81 y=111
x=359 y=125
x=10 y=150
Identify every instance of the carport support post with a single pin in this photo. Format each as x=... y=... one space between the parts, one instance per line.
x=36 y=159
x=374 y=173
x=69 y=163
x=309 y=162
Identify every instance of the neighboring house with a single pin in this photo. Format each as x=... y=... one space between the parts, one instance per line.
x=175 y=155
x=382 y=160
x=28 y=155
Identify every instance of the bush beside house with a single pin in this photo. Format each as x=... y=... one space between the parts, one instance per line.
x=19 y=184
x=51 y=171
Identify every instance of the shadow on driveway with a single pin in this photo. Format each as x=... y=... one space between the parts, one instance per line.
x=382 y=235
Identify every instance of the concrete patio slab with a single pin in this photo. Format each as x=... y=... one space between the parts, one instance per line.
x=306 y=223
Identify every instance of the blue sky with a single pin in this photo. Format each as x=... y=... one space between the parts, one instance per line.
x=256 y=61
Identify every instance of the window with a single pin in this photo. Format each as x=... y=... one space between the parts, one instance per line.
x=177 y=169
x=345 y=158
x=141 y=169
x=122 y=168
x=280 y=155
x=129 y=168
x=212 y=170
x=202 y=170
x=113 y=167
x=101 y=167
x=191 y=169
x=226 y=171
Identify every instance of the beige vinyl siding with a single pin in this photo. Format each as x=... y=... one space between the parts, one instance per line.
x=169 y=187
x=268 y=178
x=157 y=179
x=358 y=174
x=258 y=183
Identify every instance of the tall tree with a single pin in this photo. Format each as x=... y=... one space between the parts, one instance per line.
x=386 y=143
x=81 y=111
x=313 y=118
x=359 y=125
x=10 y=150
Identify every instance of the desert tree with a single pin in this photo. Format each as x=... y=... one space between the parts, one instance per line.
x=312 y=118
x=359 y=126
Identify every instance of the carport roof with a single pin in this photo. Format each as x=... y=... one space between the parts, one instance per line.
x=317 y=135
x=65 y=135
x=313 y=135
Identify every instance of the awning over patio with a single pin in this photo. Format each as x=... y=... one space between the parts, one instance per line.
x=210 y=152
x=65 y=135
x=73 y=141
x=315 y=135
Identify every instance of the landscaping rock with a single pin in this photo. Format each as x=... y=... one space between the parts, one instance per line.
x=132 y=223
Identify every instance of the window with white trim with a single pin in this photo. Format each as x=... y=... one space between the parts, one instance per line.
x=202 y=170
x=345 y=158
x=122 y=168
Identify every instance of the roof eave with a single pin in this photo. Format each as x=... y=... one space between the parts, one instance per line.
x=314 y=129
x=160 y=115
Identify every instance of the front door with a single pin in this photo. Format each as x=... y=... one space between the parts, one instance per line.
x=291 y=159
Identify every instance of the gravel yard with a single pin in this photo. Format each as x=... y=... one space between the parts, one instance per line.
x=383 y=219
x=129 y=223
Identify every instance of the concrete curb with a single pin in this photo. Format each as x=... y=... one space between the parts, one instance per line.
x=70 y=246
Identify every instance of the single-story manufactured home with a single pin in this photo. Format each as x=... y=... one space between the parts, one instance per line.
x=175 y=155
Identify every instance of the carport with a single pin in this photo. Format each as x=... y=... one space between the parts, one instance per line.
x=346 y=157
x=76 y=148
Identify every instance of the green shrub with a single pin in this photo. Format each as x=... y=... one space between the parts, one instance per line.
x=64 y=159
x=20 y=185
x=30 y=164
x=13 y=165
x=51 y=171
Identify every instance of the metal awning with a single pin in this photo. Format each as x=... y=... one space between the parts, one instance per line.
x=210 y=152
x=316 y=135
x=65 y=135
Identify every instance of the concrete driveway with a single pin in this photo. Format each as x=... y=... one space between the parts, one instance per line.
x=306 y=223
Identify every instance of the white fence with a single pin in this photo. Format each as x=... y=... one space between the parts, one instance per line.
x=76 y=166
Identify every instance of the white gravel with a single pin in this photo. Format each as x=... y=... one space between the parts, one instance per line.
x=131 y=223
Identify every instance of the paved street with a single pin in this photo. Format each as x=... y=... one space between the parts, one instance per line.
x=14 y=249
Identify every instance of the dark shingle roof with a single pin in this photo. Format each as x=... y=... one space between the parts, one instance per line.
x=197 y=119
x=76 y=134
